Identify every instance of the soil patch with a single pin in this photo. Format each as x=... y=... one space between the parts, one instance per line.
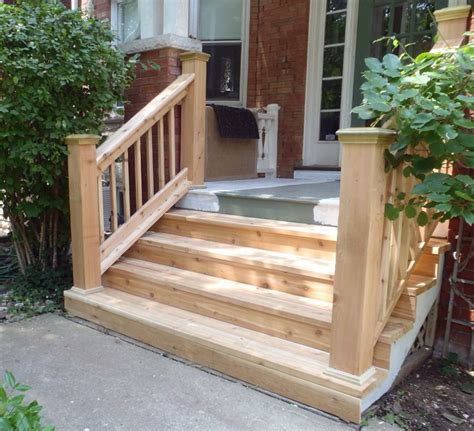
x=437 y=396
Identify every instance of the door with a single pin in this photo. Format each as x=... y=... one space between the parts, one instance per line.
x=340 y=38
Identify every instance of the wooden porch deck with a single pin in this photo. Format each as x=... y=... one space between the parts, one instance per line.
x=321 y=315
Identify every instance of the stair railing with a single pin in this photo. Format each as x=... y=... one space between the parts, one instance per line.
x=374 y=256
x=148 y=189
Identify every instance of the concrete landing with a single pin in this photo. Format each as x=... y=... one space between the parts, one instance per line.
x=296 y=200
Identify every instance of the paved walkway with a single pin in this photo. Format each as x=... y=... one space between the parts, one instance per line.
x=88 y=380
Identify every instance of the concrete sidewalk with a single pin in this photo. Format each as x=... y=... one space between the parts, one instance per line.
x=88 y=380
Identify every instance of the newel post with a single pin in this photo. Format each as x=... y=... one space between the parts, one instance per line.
x=452 y=23
x=358 y=255
x=84 y=211
x=193 y=117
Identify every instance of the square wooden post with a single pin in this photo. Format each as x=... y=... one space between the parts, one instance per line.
x=452 y=23
x=358 y=254
x=193 y=117
x=84 y=211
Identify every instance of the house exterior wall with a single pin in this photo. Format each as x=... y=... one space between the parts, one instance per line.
x=460 y=335
x=278 y=44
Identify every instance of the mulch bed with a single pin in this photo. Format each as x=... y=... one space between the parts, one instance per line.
x=437 y=396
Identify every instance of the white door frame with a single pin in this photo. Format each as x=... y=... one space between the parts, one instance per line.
x=314 y=72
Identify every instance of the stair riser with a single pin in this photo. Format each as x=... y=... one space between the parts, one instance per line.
x=405 y=308
x=295 y=284
x=312 y=335
x=309 y=393
x=308 y=247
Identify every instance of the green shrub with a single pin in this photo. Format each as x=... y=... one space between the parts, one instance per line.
x=59 y=75
x=15 y=414
x=426 y=99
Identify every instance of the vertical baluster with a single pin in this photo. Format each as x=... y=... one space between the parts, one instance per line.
x=149 y=162
x=161 y=155
x=138 y=175
x=101 y=207
x=172 y=144
x=126 y=186
x=113 y=196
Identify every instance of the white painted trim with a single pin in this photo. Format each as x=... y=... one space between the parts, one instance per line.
x=74 y=4
x=315 y=56
x=314 y=72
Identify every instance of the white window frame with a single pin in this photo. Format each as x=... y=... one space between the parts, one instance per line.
x=193 y=32
x=313 y=147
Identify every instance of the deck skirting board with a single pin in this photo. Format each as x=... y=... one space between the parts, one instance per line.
x=401 y=347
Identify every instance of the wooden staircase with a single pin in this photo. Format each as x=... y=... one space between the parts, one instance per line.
x=251 y=298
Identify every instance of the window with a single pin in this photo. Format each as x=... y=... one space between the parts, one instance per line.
x=333 y=63
x=223 y=29
x=128 y=20
x=411 y=21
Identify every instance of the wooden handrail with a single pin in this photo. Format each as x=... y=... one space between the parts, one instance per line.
x=157 y=187
x=141 y=122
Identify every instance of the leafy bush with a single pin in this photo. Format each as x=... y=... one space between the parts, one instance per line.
x=14 y=413
x=426 y=99
x=59 y=74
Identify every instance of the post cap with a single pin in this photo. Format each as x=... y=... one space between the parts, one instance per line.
x=452 y=13
x=82 y=139
x=366 y=135
x=194 y=55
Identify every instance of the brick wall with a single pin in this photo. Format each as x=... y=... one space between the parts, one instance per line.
x=460 y=335
x=277 y=70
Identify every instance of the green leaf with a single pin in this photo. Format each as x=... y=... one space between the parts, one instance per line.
x=422 y=219
x=464 y=122
x=391 y=61
x=469 y=217
x=438 y=197
x=9 y=379
x=464 y=195
x=391 y=212
x=374 y=64
x=410 y=211
x=5 y=425
x=444 y=207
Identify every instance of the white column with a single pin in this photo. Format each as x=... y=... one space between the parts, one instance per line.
x=176 y=17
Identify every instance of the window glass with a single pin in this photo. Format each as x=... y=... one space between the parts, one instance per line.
x=129 y=20
x=333 y=64
x=220 y=29
x=410 y=20
x=223 y=71
x=220 y=19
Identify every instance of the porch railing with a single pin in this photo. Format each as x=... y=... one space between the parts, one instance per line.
x=268 y=140
x=374 y=256
x=153 y=129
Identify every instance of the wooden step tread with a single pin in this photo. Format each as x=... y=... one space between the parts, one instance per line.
x=284 y=356
x=269 y=301
x=417 y=284
x=271 y=260
x=264 y=225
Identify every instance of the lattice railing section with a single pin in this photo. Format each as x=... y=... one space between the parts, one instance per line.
x=402 y=245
